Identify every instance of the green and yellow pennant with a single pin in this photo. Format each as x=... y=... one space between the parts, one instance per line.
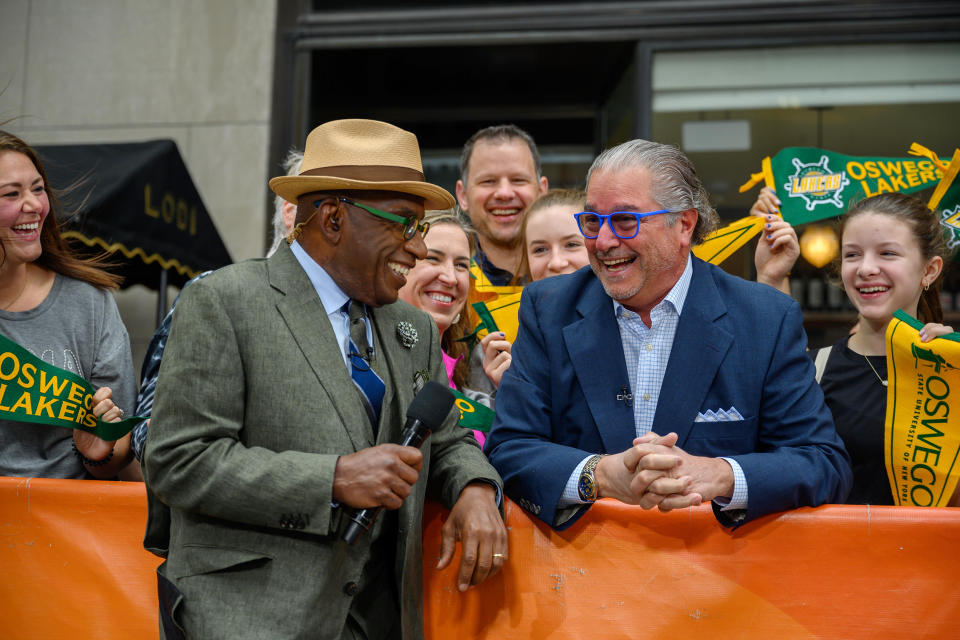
x=946 y=199
x=922 y=426
x=35 y=391
x=815 y=184
x=501 y=305
x=722 y=243
x=473 y=415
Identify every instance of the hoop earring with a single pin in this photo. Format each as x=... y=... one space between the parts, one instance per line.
x=926 y=287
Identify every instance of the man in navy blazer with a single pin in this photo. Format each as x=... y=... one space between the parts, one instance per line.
x=656 y=378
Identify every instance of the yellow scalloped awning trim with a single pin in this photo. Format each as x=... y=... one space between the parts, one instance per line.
x=136 y=252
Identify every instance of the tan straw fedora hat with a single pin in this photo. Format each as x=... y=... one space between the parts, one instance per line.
x=361 y=154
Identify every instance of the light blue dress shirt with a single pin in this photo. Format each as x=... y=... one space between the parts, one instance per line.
x=333 y=299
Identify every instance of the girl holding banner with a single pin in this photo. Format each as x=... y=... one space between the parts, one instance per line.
x=59 y=327
x=891 y=258
x=552 y=246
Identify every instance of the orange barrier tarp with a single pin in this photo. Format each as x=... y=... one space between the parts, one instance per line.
x=72 y=567
x=621 y=572
x=72 y=563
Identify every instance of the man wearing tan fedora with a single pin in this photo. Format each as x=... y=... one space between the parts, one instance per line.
x=262 y=443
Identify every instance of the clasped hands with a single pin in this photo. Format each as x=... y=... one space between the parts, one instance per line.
x=655 y=472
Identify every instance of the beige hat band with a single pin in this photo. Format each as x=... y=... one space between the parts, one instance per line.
x=368 y=173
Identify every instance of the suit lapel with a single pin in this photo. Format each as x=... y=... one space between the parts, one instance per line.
x=308 y=323
x=596 y=353
x=699 y=347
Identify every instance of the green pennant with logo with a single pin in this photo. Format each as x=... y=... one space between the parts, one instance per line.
x=946 y=198
x=815 y=184
x=473 y=415
x=32 y=390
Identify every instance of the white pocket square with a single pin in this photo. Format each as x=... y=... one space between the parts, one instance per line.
x=719 y=415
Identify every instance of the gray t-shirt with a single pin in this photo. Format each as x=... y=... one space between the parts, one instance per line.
x=77 y=328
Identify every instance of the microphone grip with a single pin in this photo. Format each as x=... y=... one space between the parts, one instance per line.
x=414 y=434
x=362 y=519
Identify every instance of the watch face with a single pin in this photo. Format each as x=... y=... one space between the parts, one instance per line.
x=587 y=488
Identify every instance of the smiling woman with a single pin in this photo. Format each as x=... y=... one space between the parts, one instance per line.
x=552 y=243
x=58 y=307
x=439 y=283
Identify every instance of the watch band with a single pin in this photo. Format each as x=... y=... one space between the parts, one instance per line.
x=587 y=485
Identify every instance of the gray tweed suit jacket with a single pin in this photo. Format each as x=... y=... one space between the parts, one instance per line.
x=253 y=407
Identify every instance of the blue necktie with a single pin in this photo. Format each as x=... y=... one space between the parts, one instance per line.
x=361 y=357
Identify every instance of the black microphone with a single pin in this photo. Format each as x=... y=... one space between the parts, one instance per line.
x=427 y=412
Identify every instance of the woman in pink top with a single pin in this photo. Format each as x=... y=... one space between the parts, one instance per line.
x=438 y=284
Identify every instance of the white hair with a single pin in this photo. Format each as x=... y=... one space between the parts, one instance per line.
x=291 y=167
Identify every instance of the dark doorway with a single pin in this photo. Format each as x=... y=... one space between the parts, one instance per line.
x=556 y=92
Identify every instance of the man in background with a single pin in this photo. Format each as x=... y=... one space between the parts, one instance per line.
x=499 y=179
x=284 y=212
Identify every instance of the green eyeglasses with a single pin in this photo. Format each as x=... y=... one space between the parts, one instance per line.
x=410 y=225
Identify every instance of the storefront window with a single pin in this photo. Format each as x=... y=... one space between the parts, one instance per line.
x=729 y=109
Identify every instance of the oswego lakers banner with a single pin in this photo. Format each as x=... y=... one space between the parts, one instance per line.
x=922 y=431
x=32 y=390
x=814 y=184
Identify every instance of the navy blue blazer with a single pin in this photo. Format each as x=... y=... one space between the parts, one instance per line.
x=738 y=344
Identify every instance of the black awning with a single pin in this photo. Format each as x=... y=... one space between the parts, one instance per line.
x=137 y=202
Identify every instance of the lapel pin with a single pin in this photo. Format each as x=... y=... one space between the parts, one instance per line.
x=407 y=334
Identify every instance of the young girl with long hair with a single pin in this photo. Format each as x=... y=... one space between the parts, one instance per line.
x=892 y=254
x=891 y=257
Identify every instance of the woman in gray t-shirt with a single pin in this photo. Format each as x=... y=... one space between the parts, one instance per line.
x=59 y=307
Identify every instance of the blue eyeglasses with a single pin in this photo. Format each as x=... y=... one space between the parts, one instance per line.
x=624 y=224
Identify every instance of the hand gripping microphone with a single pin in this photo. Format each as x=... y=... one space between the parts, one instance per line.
x=427 y=412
